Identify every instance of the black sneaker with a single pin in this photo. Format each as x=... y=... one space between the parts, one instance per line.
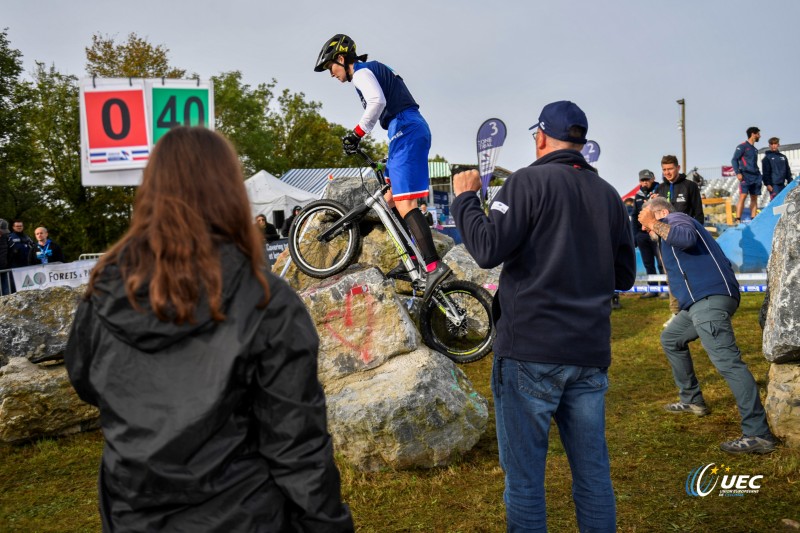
x=435 y=277
x=400 y=272
x=761 y=444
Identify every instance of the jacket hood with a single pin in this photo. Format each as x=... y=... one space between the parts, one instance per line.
x=141 y=328
x=679 y=179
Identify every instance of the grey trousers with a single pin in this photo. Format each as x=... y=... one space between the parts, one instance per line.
x=709 y=320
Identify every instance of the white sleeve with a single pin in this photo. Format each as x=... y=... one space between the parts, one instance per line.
x=374 y=99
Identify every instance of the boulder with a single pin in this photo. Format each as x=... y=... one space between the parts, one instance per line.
x=415 y=410
x=783 y=402
x=38 y=400
x=465 y=267
x=392 y=403
x=781 y=341
x=353 y=190
x=35 y=324
x=360 y=321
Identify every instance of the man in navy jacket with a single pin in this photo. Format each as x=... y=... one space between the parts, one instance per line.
x=745 y=164
x=564 y=239
x=703 y=281
x=775 y=169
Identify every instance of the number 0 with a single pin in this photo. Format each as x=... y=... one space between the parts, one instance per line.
x=125 y=116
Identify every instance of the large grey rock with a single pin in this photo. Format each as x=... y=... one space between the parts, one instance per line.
x=353 y=190
x=38 y=400
x=781 y=341
x=465 y=267
x=416 y=410
x=35 y=324
x=783 y=402
x=361 y=322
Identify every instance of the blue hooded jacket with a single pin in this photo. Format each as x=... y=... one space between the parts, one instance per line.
x=695 y=263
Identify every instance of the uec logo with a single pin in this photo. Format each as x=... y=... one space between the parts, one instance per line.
x=699 y=483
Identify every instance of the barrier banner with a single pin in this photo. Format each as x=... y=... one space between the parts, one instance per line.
x=38 y=277
x=491 y=136
x=275 y=248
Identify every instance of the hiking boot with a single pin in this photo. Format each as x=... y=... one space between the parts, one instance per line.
x=435 y=277
x=400 y=272
x=663 y=295
x=694 y=408
x=761 y=444
x=648 y=295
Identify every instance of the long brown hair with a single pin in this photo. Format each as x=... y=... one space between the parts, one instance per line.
x=191 y=200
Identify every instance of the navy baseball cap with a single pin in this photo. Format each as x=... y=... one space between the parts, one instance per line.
x=557 y=118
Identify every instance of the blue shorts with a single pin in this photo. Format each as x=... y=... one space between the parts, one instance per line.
x=750 y=184
x=409 y=146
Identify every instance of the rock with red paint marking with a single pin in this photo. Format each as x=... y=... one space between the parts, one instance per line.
x=360 y=320
x=415 y=410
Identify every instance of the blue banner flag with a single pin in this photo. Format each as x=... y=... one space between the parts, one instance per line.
x=491 y=136
x=591 y=151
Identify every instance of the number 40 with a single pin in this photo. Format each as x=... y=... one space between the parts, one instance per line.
x=169 y=115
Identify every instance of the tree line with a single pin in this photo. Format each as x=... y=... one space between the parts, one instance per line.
x=40 y=169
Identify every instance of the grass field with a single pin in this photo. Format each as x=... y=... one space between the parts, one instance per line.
x=50 y=485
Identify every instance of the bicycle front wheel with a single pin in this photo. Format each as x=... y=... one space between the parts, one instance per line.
x=457 y=321
x=320 y=257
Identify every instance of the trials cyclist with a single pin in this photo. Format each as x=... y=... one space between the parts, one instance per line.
x=386 y=98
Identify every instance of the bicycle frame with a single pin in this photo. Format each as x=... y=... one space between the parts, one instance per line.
x=396 y=231
x=398 y=235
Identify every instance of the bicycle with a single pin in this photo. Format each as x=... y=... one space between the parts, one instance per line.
x=455 y=317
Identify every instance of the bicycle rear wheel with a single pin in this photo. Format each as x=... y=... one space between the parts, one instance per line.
x=457 y=321
x=320 y=258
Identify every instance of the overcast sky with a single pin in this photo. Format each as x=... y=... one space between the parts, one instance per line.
x=624 y=62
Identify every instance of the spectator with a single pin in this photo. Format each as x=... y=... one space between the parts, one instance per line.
x=745 y=164
x=5 y=286
x=708 y=294
x=19 y=245
x=775 y=169
x=268 y=231
x=684 y=195
x=423 y=206
x=648 y=247
x=287 y=224
x=202 y=362
x=44 y=251
x=563 y=237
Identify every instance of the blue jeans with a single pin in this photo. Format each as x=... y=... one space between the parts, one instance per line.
x=709 y=320
x=526 y=397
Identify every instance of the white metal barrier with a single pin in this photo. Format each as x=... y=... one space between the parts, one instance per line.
x=757 y=283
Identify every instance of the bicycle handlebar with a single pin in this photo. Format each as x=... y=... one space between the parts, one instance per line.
x=374 y=164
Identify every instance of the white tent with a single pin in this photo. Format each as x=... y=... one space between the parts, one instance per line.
x=267 y=194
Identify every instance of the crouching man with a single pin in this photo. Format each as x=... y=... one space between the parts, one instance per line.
x=702 y=280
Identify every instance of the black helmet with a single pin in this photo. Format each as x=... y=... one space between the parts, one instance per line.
x=338 y=44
